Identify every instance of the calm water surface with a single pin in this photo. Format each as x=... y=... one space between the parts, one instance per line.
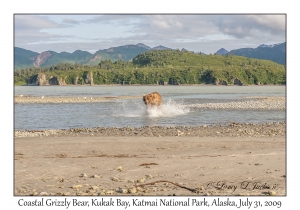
x=132 y=112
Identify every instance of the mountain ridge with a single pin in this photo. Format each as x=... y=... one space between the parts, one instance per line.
x=275 y=52
x=222 y=51
x=26 y=58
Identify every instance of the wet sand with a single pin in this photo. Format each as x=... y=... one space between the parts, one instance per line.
x=211 y=160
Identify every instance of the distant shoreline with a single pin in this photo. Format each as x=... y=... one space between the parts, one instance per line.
x=146 y=85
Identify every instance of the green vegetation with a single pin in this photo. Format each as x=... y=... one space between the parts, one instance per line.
x=276 y=53
x=23 y=58
x=125 y=53
x=79 y=56
x=20 y=83
x=161 y=66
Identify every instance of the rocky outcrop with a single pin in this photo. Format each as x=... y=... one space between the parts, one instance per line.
x=76 y=81
x=220 y=82
x=173 y=81
x=39 y=80
x=56 y=81
x=42 y=80
x=41 y=58
x=45 y=80
x=96 y=57
x=88 y=78
x=236 y=81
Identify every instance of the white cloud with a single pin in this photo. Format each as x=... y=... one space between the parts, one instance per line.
x=70 y=21
x=193 y=32
x=274 y=22
x=241 y=26
x=27 y=22
x=165 y=22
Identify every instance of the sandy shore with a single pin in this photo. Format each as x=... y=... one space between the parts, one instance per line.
x=227 y=160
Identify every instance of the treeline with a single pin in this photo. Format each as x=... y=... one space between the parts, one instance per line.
x=166 y=67
x=66 y=70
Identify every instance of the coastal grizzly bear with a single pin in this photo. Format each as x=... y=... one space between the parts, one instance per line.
x=152 y=99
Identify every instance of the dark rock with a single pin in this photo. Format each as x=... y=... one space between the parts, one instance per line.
x=236 y=81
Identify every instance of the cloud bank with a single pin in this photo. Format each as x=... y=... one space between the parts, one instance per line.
x=205 y=33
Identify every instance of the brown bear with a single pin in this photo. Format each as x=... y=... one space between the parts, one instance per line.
x=152 y=99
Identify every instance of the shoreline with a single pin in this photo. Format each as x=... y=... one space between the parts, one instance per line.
x=21 y=99
x=252 y=102
x=153 y=85
x=273 y=129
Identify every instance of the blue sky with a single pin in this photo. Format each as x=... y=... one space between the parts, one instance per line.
x=205 y=33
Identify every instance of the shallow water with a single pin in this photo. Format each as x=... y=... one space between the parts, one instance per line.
x=132 y=112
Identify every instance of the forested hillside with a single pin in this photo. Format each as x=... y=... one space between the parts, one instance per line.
x=23 y=58
x=160 y=67
x=276 y=53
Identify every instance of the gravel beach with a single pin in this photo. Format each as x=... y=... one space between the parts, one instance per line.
x=230 y=130
x=262 y=103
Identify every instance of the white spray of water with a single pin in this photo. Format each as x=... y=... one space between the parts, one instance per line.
x=169 y=108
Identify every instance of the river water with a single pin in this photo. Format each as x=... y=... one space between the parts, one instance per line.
x=133 y=113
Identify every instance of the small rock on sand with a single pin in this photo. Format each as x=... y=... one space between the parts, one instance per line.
x=141 y=180
x=94 y=187
x=77 y=186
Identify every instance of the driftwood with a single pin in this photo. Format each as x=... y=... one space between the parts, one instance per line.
x=178 y=185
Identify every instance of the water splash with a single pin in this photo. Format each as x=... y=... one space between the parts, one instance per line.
x=169 y=108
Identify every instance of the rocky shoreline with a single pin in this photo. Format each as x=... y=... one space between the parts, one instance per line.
x=230 y=130
x=261 y=103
